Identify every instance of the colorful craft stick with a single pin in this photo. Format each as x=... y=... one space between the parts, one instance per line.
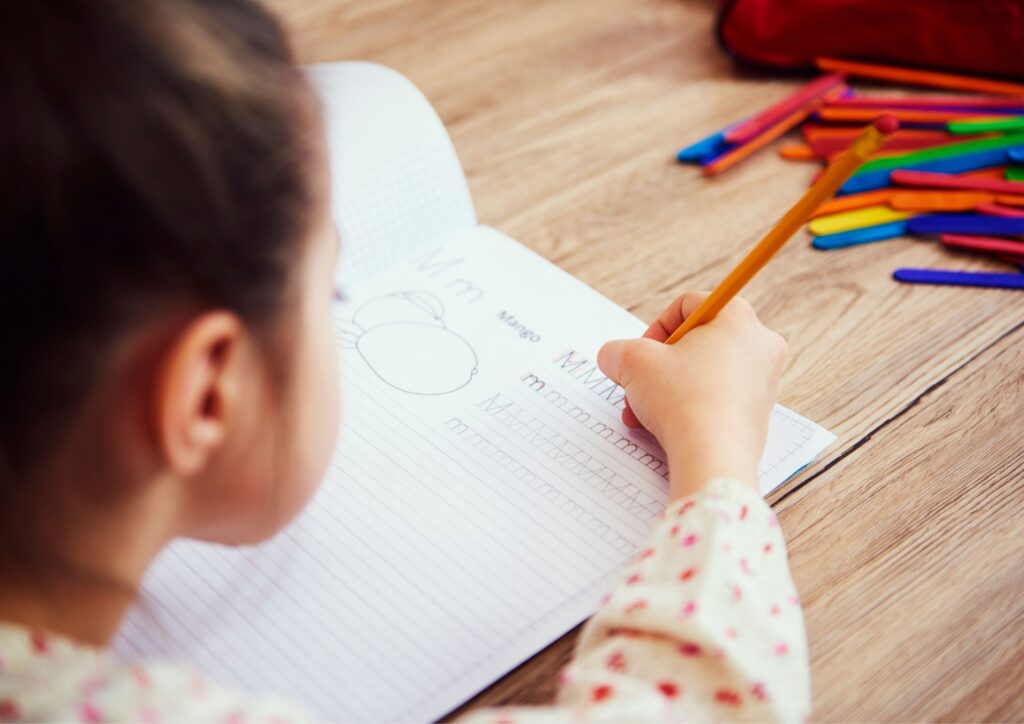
x=920 y=77
x=854 y=201
x=736 y=154
x=910 y=158
x=856 y=219
x=1015 y=173
x=1013 y=124
x=969 y=102
x=704 y=149
x=906 y=116
x=956 y=164
x=797 y=152
x=965 y=224
x=868 y=234
x=930 y=200
x=825 y=146
x=1016 y=155
x=993 y=245
x=959 y=278
x=929 y=179
x=999 y=210
x=806 y=97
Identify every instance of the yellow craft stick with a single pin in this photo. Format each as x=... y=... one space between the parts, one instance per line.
x=835 y=176
x=856 y=219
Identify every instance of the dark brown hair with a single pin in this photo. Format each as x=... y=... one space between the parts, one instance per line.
x=152 y=153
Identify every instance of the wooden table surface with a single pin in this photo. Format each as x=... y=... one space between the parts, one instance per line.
x=906 y=537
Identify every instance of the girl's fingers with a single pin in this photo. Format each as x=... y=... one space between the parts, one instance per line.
x=674 y=315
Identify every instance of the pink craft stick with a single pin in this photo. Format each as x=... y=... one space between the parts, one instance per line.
x=773 y=115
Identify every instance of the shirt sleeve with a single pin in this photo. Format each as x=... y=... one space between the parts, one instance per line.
x=705 y=625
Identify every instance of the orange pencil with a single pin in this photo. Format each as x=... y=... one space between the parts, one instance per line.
x=838 y=172
x=920 y=77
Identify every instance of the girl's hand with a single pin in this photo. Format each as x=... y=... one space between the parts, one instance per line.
x=708 y=397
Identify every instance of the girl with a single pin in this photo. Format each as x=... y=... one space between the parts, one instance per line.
x=166 y=280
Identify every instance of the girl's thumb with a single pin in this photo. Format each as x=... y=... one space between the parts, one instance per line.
x=610 y=358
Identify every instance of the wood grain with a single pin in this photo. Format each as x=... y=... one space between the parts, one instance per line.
x=566 y=115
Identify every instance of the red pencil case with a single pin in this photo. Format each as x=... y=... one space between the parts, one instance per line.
x=977 y=37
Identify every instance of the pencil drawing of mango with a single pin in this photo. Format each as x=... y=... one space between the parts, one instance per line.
x=403 y=339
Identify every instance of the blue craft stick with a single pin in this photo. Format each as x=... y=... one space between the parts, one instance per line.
x=965 y=224
x=960 y=278
x=1016 y=154
x=863 y=235
x=870 y=180
x=704 y=149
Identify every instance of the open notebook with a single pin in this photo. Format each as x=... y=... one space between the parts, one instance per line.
x=484 y=494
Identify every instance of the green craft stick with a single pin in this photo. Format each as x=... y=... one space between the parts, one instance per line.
x=932 y=154
x=1015 y=173
x=987 y=125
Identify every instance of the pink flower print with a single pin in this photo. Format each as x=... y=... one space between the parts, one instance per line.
x=794 y=600
x=674 y=531
x=89 y=713
x=634 y=579
x=661 y=515
x=737 y=592
x=743 y=513
x=773 y=522
x=605 y=599
x=728 y=697
x=668 y=689
x=616 y=662
x=40 y=642
x=745 y=566
x=148 y=715
x=9 y=710
x=767 y=547
x=685 y=507
x=601 y=692
x=727 y=547
x=687 y=574
x=758 y=691
x=732 y=633
x=689 y=540
x=781 y=649
x=775 y=610
x=689 y=649
x=689 y=608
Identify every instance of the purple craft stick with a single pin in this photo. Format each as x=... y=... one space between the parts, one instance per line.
x=960 y=278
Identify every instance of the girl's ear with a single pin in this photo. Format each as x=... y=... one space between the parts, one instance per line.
x=197 y=391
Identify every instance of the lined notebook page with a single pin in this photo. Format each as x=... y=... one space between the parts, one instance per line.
x=397 y=185
x=483 y=498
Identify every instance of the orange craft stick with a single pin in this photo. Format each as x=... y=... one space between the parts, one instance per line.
x=854 y=201
x=836 y=175
x=798 y=152
x=739 y=153
x=928 y=78
x=1010 y=199
x=939 y=200
x=862 y=115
